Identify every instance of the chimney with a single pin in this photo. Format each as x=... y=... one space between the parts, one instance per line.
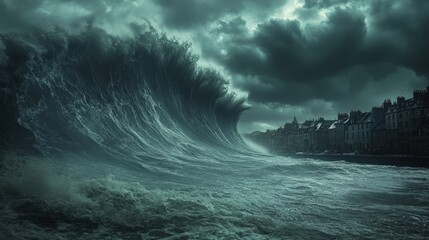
x=355 y=115
x=342 y=116
x=387 y=103
x=378 y=113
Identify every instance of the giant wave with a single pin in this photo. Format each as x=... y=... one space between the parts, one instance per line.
x=140 y=96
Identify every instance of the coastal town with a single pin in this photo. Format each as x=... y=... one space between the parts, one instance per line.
x=398 y=127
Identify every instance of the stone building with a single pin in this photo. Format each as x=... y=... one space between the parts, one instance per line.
x=289 y=135
x=358 y=134
x=302 y=137
x=352 y=131
x=393 y=128
x=405 y=123
x=320 y=135
x=336 y=133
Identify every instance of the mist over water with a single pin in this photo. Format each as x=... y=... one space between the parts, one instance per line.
x=137 y=142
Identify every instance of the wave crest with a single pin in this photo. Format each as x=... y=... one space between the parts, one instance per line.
x=96 y=92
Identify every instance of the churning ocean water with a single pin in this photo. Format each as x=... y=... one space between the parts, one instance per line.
x=135 y=141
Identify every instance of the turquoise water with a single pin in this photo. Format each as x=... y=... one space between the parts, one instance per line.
x=254 y=197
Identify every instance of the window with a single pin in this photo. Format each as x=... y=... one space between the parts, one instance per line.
x=400 y=116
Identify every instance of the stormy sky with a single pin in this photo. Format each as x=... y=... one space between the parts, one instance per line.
x=303 y=58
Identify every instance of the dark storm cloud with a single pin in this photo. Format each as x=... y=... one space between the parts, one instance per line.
x=14 y=14
x=400 y=34
x=322 y=3
x=21 y=15
x=287 y=58
x=189 y=13
x=71 y=15
x=287 y=51
x=192 y=13
x=236 y=26
x=288 y=61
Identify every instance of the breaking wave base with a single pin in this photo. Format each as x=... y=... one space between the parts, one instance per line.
x=132 y=140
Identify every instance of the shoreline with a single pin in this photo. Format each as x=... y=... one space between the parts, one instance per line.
x=394 y=160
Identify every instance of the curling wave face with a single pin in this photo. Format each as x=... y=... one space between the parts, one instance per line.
x=137 y=109
x=130 y=99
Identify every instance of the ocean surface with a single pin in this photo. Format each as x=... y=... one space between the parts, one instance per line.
x=127 y=138
x=230 y=196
